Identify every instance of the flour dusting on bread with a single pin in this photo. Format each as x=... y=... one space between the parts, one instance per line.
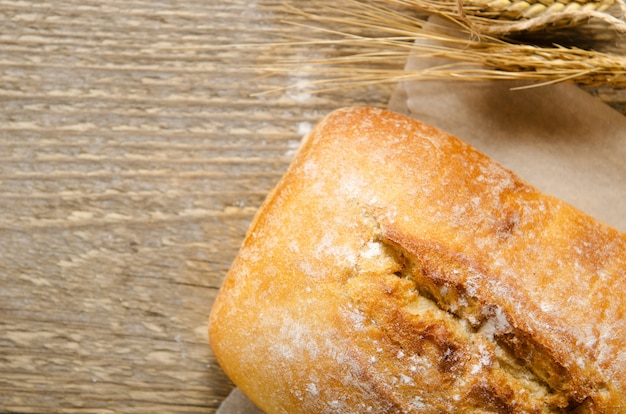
x=395 y=269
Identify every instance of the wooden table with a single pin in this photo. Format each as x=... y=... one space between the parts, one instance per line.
x=133 y=156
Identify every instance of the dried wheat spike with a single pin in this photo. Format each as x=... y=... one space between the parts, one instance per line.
x=506 y=17
x=528 y=9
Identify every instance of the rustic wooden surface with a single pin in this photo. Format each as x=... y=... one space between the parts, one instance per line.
x=132 y=158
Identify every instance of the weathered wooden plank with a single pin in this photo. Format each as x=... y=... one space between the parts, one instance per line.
x=132 y=158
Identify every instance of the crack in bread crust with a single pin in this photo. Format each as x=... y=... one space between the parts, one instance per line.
x=425 y=313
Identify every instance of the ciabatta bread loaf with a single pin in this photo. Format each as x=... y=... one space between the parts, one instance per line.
x=395 y=269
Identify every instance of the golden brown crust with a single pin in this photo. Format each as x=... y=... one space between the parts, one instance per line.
x=396 y=269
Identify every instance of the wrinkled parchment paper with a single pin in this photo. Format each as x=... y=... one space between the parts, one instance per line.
x=558 y=138
x=237 y=403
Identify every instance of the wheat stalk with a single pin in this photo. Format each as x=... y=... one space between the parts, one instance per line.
x=502 y=17
x=382 y=35
x=528 y=9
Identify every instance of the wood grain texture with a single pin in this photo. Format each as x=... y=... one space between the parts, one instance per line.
x=132 y=158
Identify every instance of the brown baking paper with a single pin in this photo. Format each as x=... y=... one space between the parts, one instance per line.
x=237 y=403
x=558 y=138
